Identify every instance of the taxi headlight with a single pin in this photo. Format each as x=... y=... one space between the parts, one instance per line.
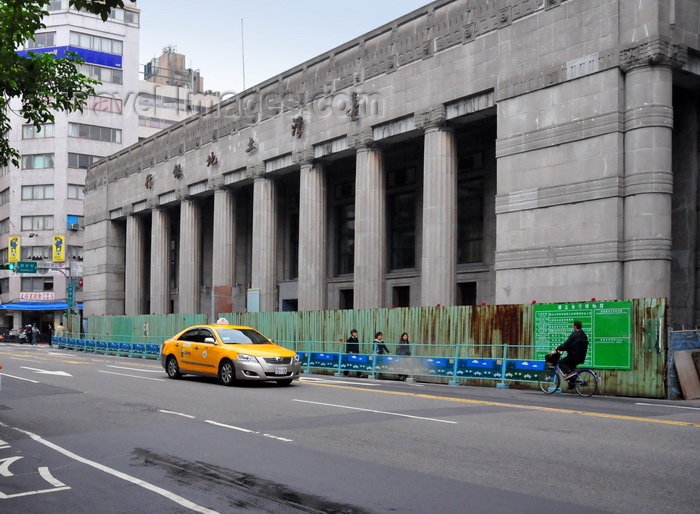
x=296 y=357
x=244 y=357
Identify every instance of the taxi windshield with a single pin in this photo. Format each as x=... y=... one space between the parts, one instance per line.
x=242 y=336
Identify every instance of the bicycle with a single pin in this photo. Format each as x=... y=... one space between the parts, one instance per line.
x=585 y=381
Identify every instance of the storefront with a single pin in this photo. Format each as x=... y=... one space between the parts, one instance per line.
x=22 y=313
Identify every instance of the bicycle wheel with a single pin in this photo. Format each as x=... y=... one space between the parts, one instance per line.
x=586 y=382
x=549 y=381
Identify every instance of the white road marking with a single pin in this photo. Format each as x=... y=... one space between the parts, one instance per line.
x=161 y=370
x=176 y=413
x=667 y=406
x=20 y=378
x=131 y=376
x=184 y=502
x=328 y=381
x=47 y=372
x=377 y=411
x=46 y=475
x=229 y=426
x=215 y=423
x=5 y=465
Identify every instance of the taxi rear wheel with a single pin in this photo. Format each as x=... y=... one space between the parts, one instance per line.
x=172 y=368
x=227 y=373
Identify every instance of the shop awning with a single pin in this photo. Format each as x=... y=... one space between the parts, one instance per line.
x=38 y=306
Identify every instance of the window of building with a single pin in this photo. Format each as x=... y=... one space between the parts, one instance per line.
x=292 y=232
x=104 y=104
x=466 y=293
x=104 y=75
x=74 y=253
x=41 y=40
x=94 y=132
x=57 y=5
x=81 y=160
x=401 y=296
x=402 y=230
x=124 y=15
x=74 y=222
x=4 y=285
x=4 y=196
x=101 y=44
x=36 y=284
x=159 y=123
x=38 y=192
x=37 y=222
x=345 y=220
x=5 y=226
x=4 y=170
x=346 y=299
x=32 y=132
x=76 y=191
x=37 y=161
x=470 y=219
x=35 y=253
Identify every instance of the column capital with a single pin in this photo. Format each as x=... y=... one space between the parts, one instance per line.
x=304 y=157
x=215 y=183
x=653 y=52
x=128 y=210
x=361 y=140
x=432 y=118
x=256 y=172
x=184 y=194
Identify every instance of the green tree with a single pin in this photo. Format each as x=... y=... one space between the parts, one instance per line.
x=44 y=83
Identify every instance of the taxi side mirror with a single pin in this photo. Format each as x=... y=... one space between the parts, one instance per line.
x=209 y=340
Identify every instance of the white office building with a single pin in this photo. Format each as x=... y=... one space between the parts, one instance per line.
x=41 y=202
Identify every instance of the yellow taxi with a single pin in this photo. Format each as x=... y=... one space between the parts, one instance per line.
x=230 y=353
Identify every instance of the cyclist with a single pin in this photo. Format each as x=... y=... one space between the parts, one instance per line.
x=576 y=347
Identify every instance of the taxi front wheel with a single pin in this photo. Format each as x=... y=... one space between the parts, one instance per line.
x=172 y=368
x=227 y=373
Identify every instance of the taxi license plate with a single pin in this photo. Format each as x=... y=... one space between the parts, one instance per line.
x=280 y=371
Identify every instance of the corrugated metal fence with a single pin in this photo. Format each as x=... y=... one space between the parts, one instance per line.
x=486 y=332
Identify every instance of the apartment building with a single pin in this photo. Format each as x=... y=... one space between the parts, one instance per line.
x=41 y=201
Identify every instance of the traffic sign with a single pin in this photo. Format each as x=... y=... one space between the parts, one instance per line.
x=25 y=267
x=71 y=294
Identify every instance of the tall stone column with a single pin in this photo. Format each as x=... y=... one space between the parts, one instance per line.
x=264 y=266
x=224 y=256
x=160 y=262
x=370 y=224
x=648 y=172
x=312 y=236
x=224 y=237
x=439 y=250
x=190 y=258
x=134 y=298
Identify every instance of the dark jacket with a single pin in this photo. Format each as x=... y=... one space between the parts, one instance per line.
x=380 y=347
x=352 y=345
x=576 y=346
x=403 y=348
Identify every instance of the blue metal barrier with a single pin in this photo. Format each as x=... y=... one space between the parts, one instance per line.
x=458 y=367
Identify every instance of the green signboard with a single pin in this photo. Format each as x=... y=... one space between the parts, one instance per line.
x=71 y=294
x=25 y=267
x=607 y=324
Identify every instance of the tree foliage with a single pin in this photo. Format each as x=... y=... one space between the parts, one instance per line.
x=43 y=82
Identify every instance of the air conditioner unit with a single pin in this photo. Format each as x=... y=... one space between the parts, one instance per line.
x=73 y=226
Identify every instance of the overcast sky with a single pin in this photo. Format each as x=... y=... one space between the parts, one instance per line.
x=277 y=34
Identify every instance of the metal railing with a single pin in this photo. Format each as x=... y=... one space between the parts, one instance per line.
x=456 y=363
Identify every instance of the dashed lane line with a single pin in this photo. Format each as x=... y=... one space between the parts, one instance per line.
x=516 y=406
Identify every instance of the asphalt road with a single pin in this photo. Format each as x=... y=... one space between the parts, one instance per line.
x=83 y=433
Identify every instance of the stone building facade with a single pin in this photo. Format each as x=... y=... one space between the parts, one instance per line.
x=498 y=151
